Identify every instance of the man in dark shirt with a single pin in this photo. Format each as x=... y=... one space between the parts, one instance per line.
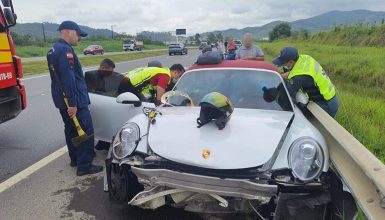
x=104 y=81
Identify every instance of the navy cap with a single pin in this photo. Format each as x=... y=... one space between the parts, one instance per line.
x=72 y=26
x=154 y=63
x=287 y=54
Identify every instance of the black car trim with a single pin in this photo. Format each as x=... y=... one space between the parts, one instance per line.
x=272 y=160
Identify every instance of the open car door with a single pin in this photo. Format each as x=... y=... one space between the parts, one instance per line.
x=108 y=116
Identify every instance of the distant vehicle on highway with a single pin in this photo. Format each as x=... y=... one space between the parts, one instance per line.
x=93 y=49
x=177 y=48
x=238 y=44
x=203 y=45
x=132 y=44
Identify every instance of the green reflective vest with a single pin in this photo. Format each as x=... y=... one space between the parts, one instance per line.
x=140 y=79
x=307 y=65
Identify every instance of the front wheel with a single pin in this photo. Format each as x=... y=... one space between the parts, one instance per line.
x=123 y=185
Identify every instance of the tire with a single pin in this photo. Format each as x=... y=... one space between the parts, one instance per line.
x=85 y=54
x=170 y=54
x=123 y=185
x=102 y=52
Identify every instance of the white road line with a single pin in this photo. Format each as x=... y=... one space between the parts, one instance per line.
x=31 y=169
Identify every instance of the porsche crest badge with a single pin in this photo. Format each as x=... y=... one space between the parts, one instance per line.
x=206 y=154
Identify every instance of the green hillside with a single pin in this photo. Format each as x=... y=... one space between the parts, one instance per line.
x=35 y=30
x=373 y=36
x=323 y=22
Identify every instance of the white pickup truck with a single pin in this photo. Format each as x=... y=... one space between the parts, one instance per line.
x=130 y=44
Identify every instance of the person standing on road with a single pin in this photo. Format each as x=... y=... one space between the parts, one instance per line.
x=304 y=72
x=65 y=64
x=249 y=51
x=150 y=83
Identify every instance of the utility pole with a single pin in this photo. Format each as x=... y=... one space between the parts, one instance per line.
x=112 y=31
x=42 y=25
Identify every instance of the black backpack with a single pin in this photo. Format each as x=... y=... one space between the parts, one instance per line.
x=210 y=57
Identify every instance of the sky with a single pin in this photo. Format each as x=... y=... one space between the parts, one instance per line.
x=196 y=16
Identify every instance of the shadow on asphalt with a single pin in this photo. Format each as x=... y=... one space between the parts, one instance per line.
x=95 y=202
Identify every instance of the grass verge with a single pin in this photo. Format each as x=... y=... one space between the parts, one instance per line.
x=36 y=67
x=108 y=46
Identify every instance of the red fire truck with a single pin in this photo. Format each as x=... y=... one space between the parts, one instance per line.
x=12 y=91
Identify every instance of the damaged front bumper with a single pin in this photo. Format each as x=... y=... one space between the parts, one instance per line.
x=241 y=188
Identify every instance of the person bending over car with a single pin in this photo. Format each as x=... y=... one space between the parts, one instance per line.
x=304 y=72
x=150 y=83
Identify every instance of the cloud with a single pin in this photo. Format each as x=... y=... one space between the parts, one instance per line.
x=133 y=16
x=240 y=9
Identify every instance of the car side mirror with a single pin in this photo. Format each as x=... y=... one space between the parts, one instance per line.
x=128 y=98
x=10 y=17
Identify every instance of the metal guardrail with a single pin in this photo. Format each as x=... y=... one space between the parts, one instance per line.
x=361 y=171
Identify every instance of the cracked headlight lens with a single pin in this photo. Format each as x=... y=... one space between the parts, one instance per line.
x=126 y=140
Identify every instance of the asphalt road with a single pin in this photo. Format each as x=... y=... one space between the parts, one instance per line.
x=38 y=131
x=32 y=59
x=54 y=191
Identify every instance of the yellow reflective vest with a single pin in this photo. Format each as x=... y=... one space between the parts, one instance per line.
x=307 y=65
x=140 y=79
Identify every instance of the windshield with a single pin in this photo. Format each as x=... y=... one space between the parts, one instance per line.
x=255 y=89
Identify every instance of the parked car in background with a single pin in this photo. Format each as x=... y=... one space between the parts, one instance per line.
x=93 y=49
x=177 y=48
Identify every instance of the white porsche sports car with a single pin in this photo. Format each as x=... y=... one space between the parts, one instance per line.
x=268 y=161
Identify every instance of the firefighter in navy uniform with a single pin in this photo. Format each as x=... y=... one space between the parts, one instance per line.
x=63 y=61
x=302 y=72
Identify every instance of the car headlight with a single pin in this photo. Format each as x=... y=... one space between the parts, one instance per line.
x=126 y=140
x=306 y=159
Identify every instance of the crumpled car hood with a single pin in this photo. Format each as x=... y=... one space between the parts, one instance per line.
x=248 y=140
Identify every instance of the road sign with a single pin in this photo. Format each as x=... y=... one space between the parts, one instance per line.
x=181 y=31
